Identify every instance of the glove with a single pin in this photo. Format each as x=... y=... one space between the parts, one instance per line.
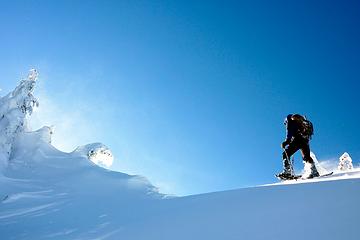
x=284 y=144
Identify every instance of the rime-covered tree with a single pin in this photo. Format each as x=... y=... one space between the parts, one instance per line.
x=15 y=107
x=345 y=162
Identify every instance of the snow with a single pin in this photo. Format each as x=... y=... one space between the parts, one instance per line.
x=345 y=162
x=49 y=194
x=97 y=153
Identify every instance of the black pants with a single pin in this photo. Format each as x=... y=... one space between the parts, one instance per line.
x=298 y=143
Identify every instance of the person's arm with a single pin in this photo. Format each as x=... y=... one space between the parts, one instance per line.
x=289 y=134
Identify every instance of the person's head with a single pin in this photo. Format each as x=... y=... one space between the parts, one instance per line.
x=297 y=117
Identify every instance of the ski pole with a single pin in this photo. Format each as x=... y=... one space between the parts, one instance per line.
x=289 y=161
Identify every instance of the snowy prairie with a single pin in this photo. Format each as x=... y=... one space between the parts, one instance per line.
x=49 y=194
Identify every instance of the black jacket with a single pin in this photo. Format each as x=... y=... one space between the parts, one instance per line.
x=293 y=129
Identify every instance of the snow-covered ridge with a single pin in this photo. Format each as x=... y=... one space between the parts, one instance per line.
x=49 y=194
x=15 y=109
x=26 y=155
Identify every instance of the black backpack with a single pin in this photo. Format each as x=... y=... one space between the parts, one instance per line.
x=307 y=128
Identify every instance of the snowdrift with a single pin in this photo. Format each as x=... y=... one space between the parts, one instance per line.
x=49 y=194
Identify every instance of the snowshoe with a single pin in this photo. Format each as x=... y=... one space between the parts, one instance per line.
x=287 y=176
x=283 y=177
x=319 y=176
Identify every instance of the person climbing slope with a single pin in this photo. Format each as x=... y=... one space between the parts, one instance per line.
x=299 y=131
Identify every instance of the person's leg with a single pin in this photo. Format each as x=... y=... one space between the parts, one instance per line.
x=292 y=148
x=288 y=152
x=310 y=168
x=305 y=152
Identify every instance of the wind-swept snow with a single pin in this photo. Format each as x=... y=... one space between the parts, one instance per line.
x=49 y=194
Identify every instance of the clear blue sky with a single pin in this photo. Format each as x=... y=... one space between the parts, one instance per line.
x=191 y=94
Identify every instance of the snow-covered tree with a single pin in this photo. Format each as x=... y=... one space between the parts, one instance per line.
x=345 y=162
x=14 y=110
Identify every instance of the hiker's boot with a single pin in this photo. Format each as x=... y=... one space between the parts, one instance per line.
x=310 y=171
x=287 y=172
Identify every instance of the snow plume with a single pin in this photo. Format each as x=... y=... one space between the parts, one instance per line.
x=14 y=110
x=319 y=166
x=73 y=119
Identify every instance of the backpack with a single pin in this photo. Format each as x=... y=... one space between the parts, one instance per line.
x=307 y=129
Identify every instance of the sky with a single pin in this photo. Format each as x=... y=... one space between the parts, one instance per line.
x=190 y=94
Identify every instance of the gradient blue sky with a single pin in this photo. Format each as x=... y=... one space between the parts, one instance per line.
x=191 y=94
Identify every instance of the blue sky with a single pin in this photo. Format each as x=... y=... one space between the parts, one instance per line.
x=190 y=94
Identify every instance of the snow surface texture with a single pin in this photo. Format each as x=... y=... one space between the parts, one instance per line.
x=49 y=194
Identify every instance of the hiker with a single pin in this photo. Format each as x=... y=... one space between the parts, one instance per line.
x=298 y=134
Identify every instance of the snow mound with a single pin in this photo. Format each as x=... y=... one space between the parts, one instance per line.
x=97 y=153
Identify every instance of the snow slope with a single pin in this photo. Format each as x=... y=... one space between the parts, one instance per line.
x=49 y=194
